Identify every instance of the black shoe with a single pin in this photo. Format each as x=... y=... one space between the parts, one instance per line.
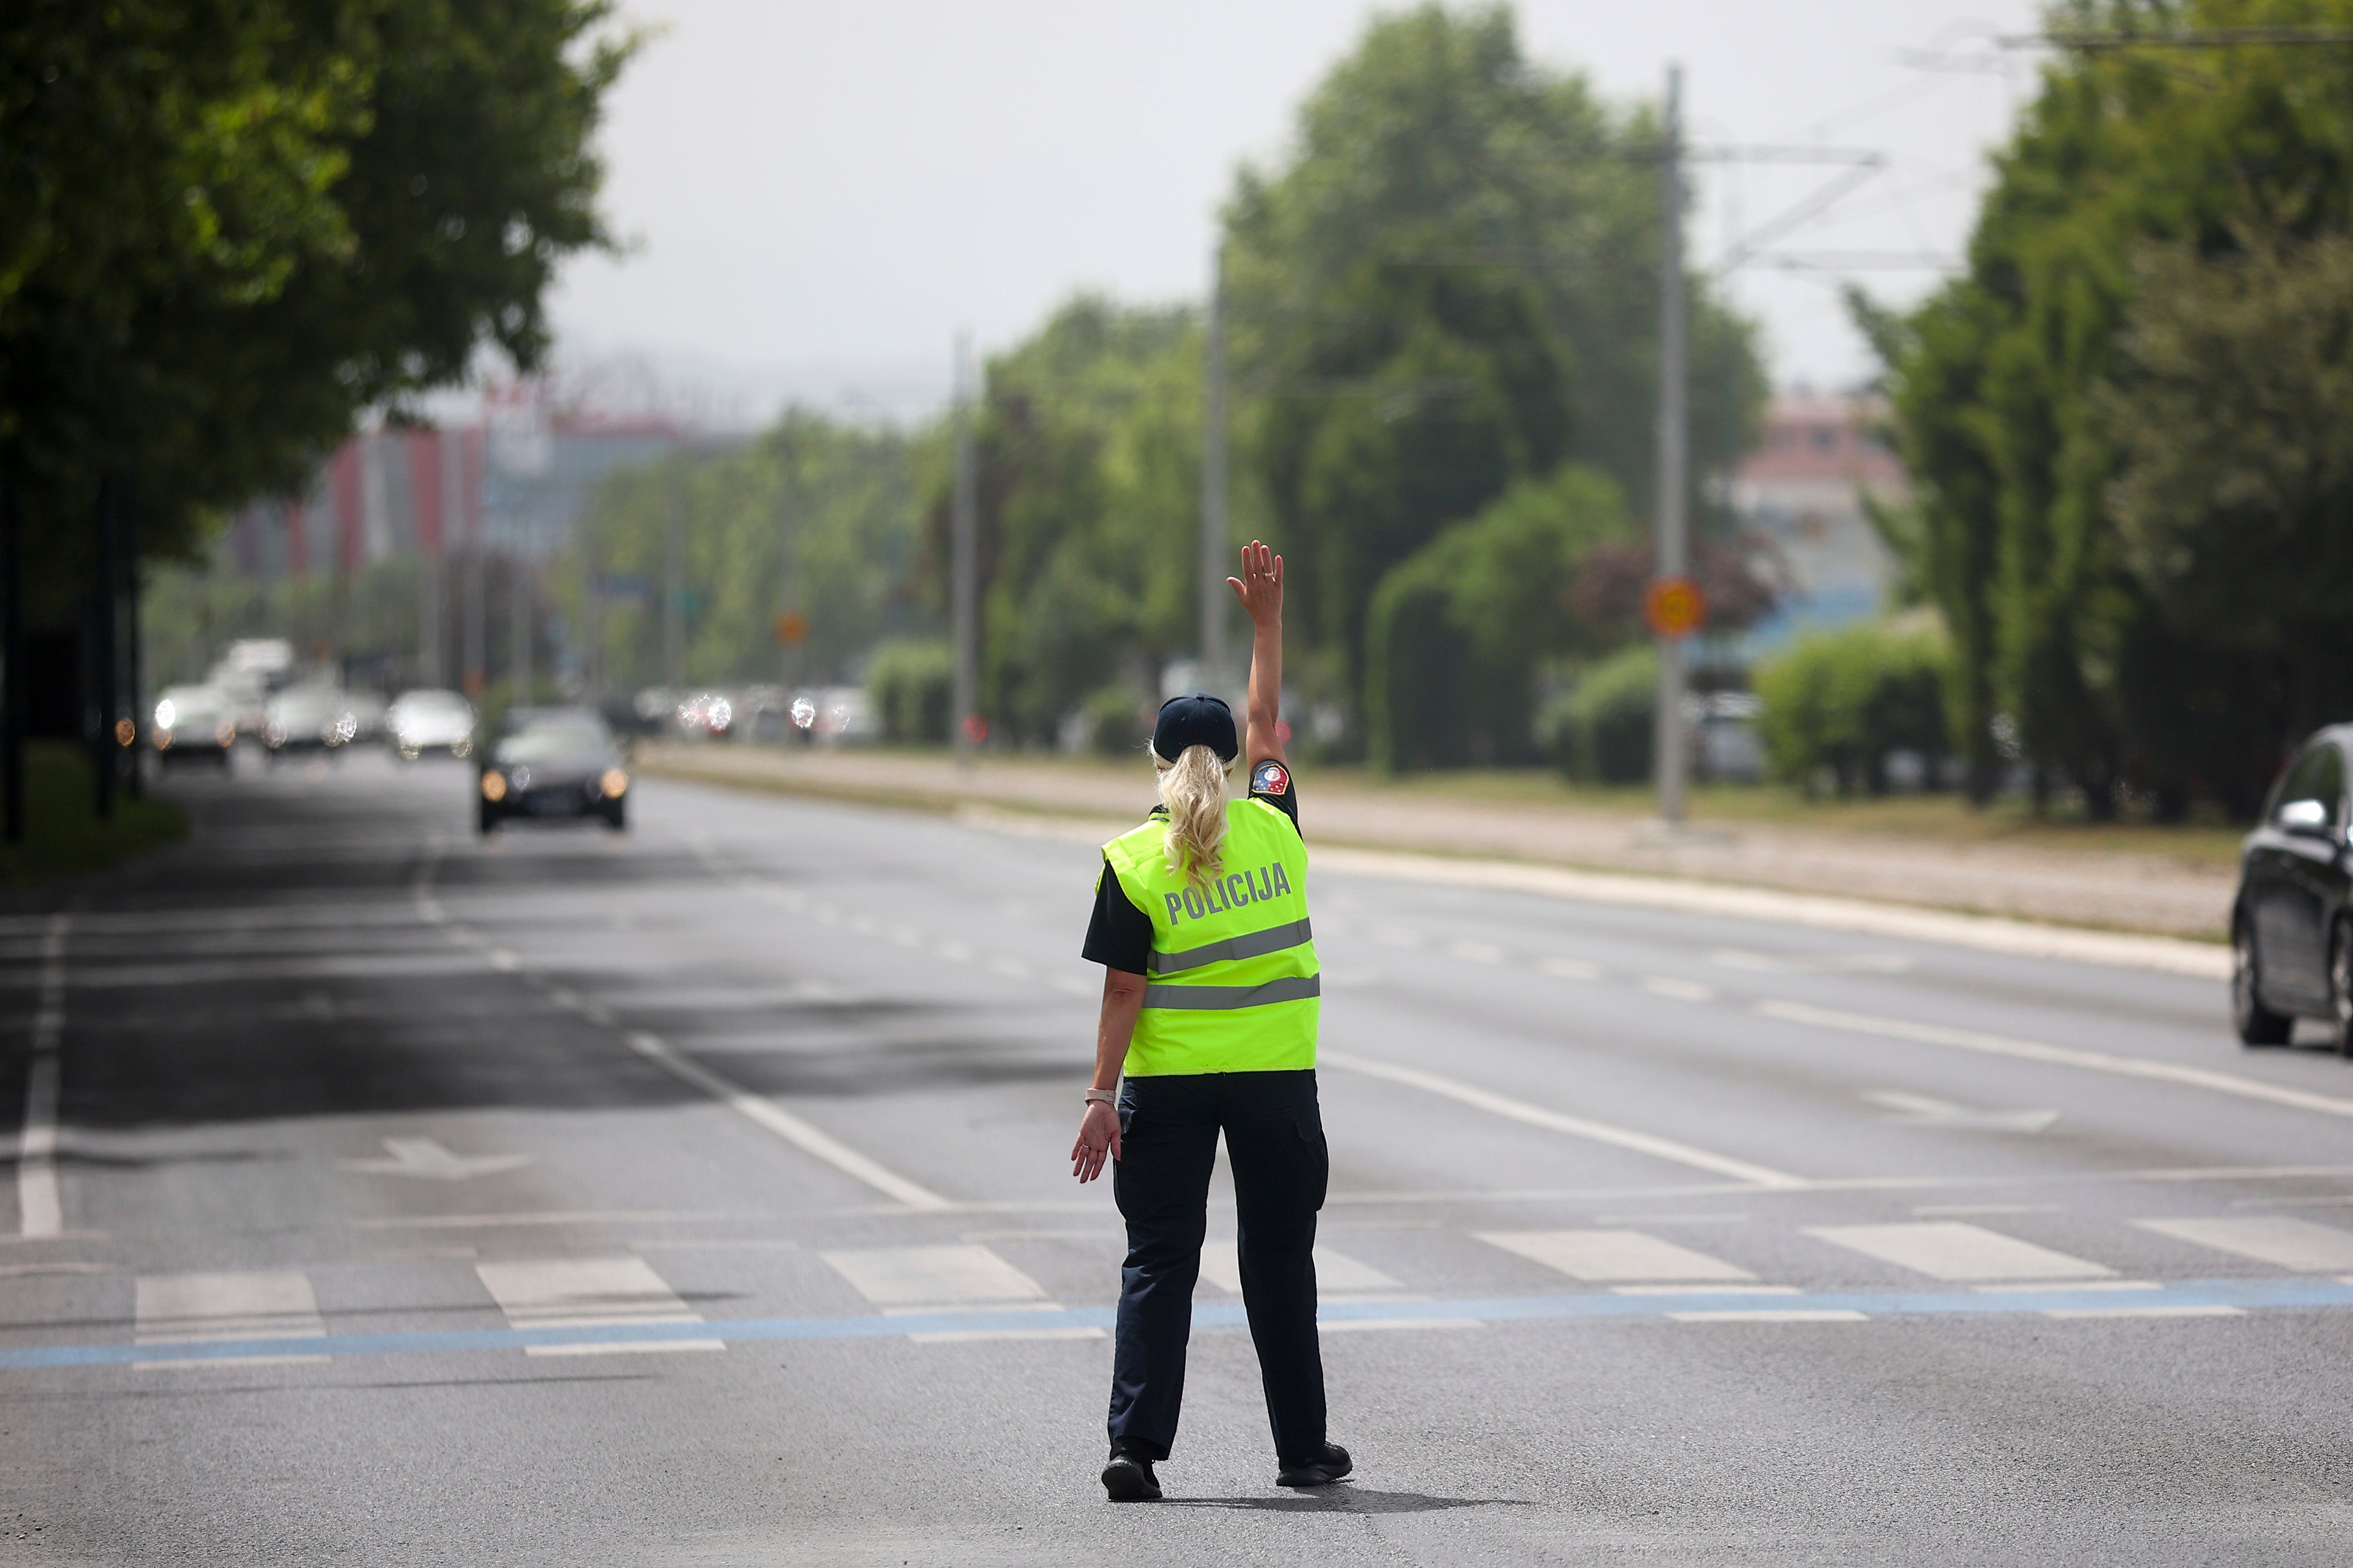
x=1128 y=1478
x=1327 y=1467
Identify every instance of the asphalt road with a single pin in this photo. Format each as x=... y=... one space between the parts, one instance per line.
x=701 y=1196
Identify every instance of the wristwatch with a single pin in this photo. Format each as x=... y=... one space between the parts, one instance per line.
x=1101 y=1097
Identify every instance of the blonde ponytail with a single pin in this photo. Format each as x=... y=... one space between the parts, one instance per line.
x=1194 y=788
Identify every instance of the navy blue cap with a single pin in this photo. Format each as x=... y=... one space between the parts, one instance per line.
x=1199 y=720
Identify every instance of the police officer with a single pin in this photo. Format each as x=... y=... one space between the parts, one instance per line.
x=1210 y=1011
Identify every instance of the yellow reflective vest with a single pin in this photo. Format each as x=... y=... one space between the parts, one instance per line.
x=1232 y=986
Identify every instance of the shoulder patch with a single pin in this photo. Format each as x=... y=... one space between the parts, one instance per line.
x=1269 y=777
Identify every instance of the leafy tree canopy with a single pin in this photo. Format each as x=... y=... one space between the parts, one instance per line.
x=2160 y=217
x=227 y=229
x=1451 y=285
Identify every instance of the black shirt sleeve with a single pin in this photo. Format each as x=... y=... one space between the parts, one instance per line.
x=1272 y=783
x=1119 y=934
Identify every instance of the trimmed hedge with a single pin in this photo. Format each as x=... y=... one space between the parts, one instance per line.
x=1837 y=702
x=1600 y=731
x=911 y=685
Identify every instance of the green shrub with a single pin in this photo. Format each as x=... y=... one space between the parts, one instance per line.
x=1118 y=721
x=1599 y=731
x=1837 y=702
x=910 y=685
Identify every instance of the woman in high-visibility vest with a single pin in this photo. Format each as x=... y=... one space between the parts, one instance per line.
x=1208 y=1025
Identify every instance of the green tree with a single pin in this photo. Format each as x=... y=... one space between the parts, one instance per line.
x=2007 y=385
x=815 y=518
x=1449 y=286
x=1089 y=452
x=229 y=229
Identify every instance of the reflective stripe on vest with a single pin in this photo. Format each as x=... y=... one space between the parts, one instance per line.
x=1275 y=938
x=1234 y=985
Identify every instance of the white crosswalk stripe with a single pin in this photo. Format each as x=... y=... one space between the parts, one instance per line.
x=1607 y=1256
x=195 y=1309
x=1952 y=1249
x=590 y=1293
x=1336 y=1273
x=967 y=1278
x=2287 y=1243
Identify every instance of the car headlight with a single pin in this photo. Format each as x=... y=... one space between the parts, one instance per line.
x=167 y=713
x=615 y=783
x=225 y=732
x=494 y=785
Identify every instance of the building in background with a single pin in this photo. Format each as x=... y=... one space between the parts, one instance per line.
x=1804 y=489
x=470 y=514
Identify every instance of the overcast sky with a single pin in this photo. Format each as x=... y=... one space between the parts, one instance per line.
x=821 y=194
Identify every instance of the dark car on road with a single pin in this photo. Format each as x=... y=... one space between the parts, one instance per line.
x=2291 y=924
x=555 y=761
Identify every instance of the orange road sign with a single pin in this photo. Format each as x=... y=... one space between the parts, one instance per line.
x=1674 y=607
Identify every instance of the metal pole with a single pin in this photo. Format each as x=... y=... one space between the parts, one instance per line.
x=101 y=656
x=591 y=610
x=13 y=686
x=474 y=655
x=964 y=708
x=674 y=578
x=1213 y=481
x=1668 y=761
x=134 y=780
x=453 y=515
x=519 y=615
x=787 y=553
x=430 y=555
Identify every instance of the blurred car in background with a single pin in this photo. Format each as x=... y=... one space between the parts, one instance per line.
x=308 y=719
x=429 y=719
x=554 y=762
x=193 y=723
x=707 y=714
x=836 y=715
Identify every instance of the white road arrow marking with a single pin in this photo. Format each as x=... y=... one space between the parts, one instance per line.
x=424 y=1157
x=1920 y=1111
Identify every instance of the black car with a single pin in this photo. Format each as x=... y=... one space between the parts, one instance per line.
x=555 y=761
x=2291 y=925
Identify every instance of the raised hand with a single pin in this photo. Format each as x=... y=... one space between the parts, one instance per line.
x=1260 y=587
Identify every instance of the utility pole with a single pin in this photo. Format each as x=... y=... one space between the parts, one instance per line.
x=592 y=611
x=478 y=637
x=787 y=557
x=100 y=660
x=448 y=445
x=128 y=554
x=1668 y=761
x=963 y=522
x=674 y=576
x=519 y=616
x=1213 y=480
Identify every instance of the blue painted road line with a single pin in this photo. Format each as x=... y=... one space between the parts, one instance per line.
x=2185 y=1296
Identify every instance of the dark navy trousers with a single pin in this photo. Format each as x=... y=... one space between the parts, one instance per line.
x=1168 y=1145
